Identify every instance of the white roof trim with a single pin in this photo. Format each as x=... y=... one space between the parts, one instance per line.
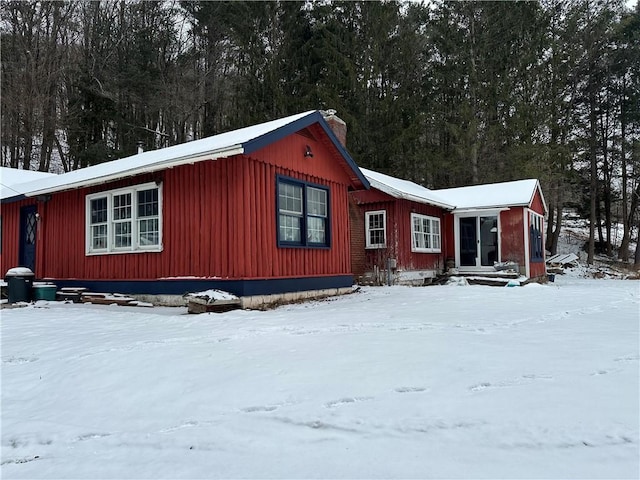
x=462 y=211
x=404 y=189
x=213 y=155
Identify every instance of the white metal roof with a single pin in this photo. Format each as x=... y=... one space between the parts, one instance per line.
x=475 y=197
x=13 y=179
x=405 y=189
x=493 y=195
x=211 y=148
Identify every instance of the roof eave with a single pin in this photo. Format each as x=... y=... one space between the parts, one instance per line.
x=13 y=198
x=170 y=163
x=406 y=196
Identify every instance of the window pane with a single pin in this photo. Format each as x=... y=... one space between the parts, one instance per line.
x=99 y=210
x=290 y=228
x=122 y=234
x=148 y=203
x=376 y=221
x=122 y=206
x=290 y=197
x=99 y=237
x=376 y=237
x=149 y=233
x=417 y=240
x=315 y=230
x=316 y=202
x=436 y=234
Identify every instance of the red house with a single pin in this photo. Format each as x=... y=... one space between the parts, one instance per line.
x=260 y=211
x=406 y=233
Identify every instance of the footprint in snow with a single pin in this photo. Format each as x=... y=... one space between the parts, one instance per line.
x=346 y=400
x=628 y=358
x=260 y=408
x=604 y=372
x=19 y=360
x=20 y=460
x=91 y=436
x=410 y=389
x=191 y=423
x=520 y=381
x=480 y=386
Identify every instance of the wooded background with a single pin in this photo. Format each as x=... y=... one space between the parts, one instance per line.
x=441 y=93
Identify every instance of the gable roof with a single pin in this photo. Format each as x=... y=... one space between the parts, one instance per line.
x=13 y=179
x=474 y=197
x=494 y=195
x=242 y=141
x=405 y=189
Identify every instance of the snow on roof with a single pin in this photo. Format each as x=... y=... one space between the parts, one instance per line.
x=227 y=144
x=405 y=189
x=492 y=195
x=12 y=179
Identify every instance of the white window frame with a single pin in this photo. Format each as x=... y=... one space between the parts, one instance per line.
x=431 y=234
x=368 y=229
x=536 y=221
x=136 y=246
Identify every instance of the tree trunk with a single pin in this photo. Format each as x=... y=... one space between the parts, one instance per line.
x=593 y=185
x=636 y=261
x=623 y=253
x=556 y=232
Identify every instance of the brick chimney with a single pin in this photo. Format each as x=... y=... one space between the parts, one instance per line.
x=338 y=125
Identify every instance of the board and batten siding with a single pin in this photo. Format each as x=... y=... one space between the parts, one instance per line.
x=10 y=248
x=407 y=259
x=219 y=221
x=399 y=240
x=512 y=236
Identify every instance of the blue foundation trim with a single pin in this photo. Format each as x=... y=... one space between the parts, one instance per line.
x=240 y=288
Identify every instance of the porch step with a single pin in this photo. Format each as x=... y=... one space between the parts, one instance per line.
x=505 y=274
x=111 y=299
x=491 y=279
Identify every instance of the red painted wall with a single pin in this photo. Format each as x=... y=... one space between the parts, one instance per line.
x=398 y=232
x=10 y=249
x=512 y=236
x=219 y=220
x=537 y=205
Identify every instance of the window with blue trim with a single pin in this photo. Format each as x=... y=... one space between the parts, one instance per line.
x=536 y=244
x=303 y=214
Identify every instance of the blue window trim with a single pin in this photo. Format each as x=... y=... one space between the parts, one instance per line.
x=304 y=243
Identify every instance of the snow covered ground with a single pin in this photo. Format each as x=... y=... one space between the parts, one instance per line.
x=390 y=382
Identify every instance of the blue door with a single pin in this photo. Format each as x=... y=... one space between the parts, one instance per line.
x=28 y=227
